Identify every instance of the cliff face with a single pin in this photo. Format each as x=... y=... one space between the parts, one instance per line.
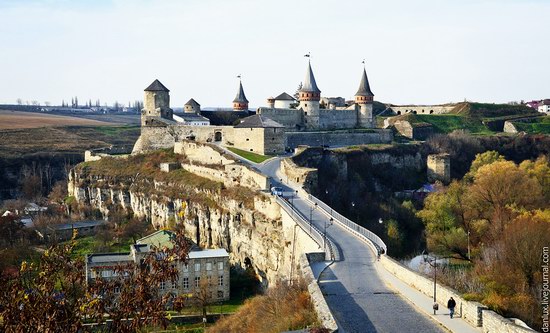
x=251 y=231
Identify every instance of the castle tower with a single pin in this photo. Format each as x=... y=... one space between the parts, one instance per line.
x=156 y=104
x=310 y=95
x=240 y=103
x=364 y=98
x=192 y=107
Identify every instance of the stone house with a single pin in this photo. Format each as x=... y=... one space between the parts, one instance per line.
x=416 y=131
x=211 y=265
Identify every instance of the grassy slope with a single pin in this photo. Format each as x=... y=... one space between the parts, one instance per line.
x=541 y=126
x=256 y=158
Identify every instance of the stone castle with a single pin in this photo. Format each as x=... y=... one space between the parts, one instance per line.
x=267 y=132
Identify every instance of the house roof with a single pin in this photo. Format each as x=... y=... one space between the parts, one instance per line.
x=156 y=86
x=309 y=83
x=108 y=257
x=213 y=253
x=192 y=102
x=77 y=225
x=284 y=97
x=364 y=86
x=240 y=98
x=161 y=238
x=258 y=121
x=190 y=116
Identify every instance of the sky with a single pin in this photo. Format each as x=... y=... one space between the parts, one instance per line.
x=416 y=52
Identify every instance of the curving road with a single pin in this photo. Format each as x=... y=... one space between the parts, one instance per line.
x=353 y=288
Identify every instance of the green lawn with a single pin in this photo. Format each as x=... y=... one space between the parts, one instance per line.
x=539 y=127
x=256 y=158
x=446 y=123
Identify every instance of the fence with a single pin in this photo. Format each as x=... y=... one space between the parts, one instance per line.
x=352 y=226
x=310 y=229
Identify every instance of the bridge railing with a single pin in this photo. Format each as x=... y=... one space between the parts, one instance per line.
x=309 y=228
x=349 y=224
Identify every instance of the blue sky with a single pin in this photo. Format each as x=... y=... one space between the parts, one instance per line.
x=428 y=51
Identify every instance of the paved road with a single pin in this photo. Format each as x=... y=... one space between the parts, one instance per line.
x=355 y=293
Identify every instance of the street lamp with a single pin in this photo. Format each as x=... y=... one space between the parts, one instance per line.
x=311 y=208
x=326 y=192
x=434 y=265
x=325 y=233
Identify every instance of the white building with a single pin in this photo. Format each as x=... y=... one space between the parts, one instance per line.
x=544 y=106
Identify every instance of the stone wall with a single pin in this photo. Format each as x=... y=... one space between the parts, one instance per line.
x=153 y=138
x=473 y=312
x=211 y=162
x=318 y=299
x=495 y=323
x=422 y=109
x=113 y=151
x=302 y=176
x=203 y=153
x=439 y=168
x=289 y=118
x=338 y=138
x=337 y=119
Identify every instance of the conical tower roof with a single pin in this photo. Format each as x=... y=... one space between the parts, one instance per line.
x=309 y=83
x=156 y=86
x=364 y=86
x=240 y=98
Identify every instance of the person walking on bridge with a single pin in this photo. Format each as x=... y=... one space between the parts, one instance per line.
x=451 y=304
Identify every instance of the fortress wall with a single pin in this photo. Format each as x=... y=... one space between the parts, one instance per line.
x=337 y=139
x=247 y=177
x=336 y=119
x=202 y=153
x=274 y=141
x=206 y=172
x=423 y=109
x=286 y=117
x=162 y=137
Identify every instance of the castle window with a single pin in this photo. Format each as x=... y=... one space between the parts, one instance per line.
x=247 y=139
x=220 y=293
x=185 y=283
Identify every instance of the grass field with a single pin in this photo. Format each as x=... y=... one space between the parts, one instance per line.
x=16 y=120
x=447 y=123
x=256 y=158
x=541 y=126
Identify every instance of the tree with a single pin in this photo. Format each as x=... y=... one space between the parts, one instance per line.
x=500 y=186
x=52 y=295
x=19 y=101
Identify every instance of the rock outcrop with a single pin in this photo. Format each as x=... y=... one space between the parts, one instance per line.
x=251 y=231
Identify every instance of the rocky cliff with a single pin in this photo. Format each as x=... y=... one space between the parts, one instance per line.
x=246 y=223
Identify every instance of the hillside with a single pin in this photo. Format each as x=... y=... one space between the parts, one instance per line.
x=477 y=118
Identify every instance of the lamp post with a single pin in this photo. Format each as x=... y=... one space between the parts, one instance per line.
x=326 y=192
x=311 y=208
x=325 y=233
x=434 y=265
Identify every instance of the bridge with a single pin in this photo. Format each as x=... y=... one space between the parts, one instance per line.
x=361 y=294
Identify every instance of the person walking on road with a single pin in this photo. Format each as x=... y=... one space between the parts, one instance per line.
x=451 y=304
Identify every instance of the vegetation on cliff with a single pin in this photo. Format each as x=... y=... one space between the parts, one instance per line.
x=141 y=173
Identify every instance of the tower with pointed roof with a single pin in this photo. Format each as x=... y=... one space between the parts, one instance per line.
x=156 y=104
x=364 y=99
x=240 y=103
x=309 y=98
x=192 y=106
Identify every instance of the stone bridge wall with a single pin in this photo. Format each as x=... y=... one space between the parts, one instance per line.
x=302 y=176
x=473 y=312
